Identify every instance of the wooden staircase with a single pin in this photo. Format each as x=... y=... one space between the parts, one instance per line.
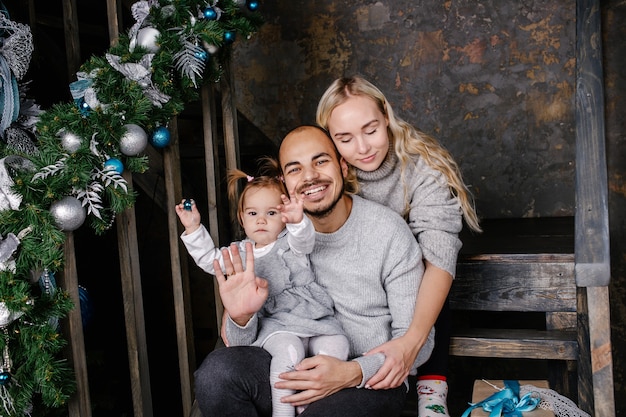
x=556 y=267
x=507 y=276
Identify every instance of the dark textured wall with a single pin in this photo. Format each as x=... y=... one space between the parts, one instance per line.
x=494 y=81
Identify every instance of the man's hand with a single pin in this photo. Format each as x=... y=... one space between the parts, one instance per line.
x=318 y=377
x=242 y=292
x=400 y=355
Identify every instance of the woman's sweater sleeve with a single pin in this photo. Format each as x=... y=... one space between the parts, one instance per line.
x=435 y=218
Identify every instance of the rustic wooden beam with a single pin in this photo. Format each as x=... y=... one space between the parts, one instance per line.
x=133 y=309
x=72 y=42
x=180 y=273
x=131 y=287
x=593 y=270
x=515 y=343
x=531 y=285
x=231 y=132
x=112 y=20
x=211 y=161
x=592 y=215
x=79 y=404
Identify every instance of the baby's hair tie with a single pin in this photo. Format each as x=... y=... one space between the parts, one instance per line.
x=250 y=178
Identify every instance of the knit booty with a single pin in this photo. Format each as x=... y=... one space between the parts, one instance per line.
x=431 y=398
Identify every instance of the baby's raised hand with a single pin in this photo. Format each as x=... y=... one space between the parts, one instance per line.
x=292 y=209
x=189 y=215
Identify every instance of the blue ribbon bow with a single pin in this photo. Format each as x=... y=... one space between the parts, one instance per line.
x=506 y=402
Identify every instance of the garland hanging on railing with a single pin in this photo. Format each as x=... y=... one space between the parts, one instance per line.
x=63 y=166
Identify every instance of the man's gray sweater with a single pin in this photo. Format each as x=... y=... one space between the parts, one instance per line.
x=372 y=268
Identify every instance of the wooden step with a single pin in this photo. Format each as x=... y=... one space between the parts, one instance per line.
x=517 y=268
x=511 y=282
x=515 y=343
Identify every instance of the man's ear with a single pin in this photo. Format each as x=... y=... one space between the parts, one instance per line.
x=344 y=166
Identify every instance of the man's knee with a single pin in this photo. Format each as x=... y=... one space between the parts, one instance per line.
x=234 y=381
x=224 y=367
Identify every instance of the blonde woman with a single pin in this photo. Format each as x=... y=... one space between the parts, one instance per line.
x=395 y=164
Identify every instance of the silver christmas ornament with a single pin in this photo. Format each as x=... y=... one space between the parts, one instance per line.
x=7 y=316
x=147 y=37
x=134 y=140
x=68 y=213
x=70 y=141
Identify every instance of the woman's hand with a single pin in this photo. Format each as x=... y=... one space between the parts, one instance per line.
x=318 y=377
x=242 y=292
x=400 y=355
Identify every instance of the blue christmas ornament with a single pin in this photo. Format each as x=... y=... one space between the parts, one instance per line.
x=82 y=105
x=160 y=138
x=5 y=378
x=209 y=13
x=229 y=36
x=114 y=164
x=202 y=55
x=252 y=5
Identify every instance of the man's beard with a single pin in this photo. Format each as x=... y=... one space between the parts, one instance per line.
x=320 y=213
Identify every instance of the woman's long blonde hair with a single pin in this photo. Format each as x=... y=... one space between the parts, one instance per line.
x=406 y=139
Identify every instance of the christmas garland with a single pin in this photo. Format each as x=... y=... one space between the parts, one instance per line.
x=63 y=166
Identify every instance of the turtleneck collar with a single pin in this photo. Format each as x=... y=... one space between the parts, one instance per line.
x=386 y=168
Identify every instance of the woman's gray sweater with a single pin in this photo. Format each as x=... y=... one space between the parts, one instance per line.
x=434 y=216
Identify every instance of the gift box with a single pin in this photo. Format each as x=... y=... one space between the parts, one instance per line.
x=483 y=390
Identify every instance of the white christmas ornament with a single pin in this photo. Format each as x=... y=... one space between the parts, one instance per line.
x=210 y=48
x=134 y=140
x=70 y=141
x=69 y=214
x=147 y=37
x=9 y=199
